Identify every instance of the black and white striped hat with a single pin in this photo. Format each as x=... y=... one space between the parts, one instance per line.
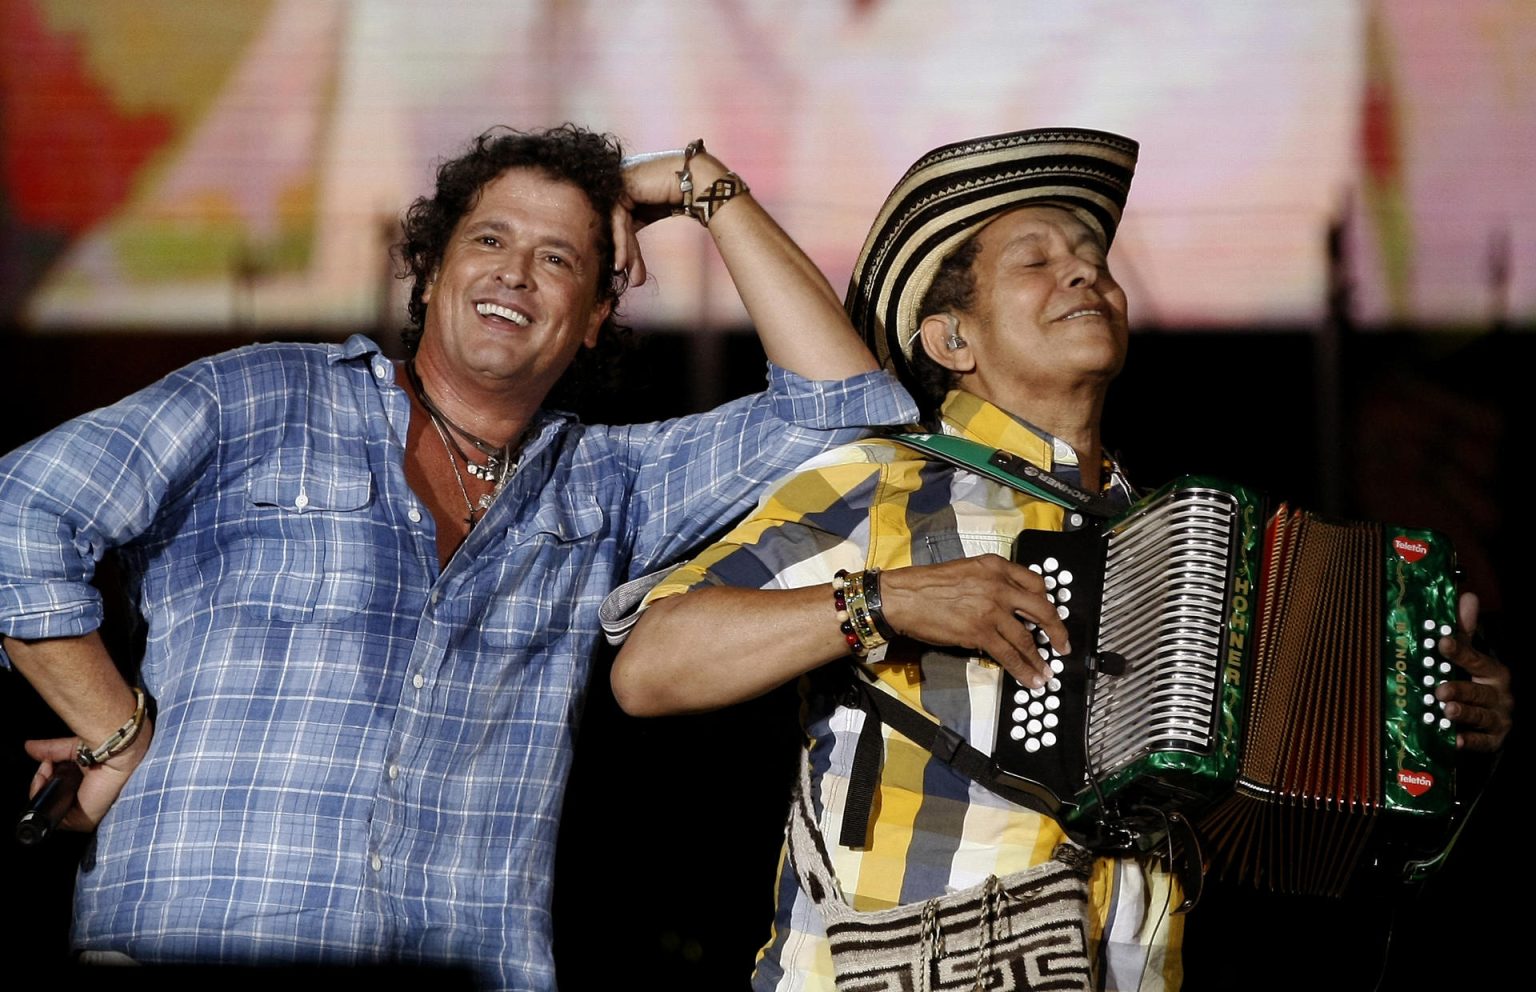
x=951 y=191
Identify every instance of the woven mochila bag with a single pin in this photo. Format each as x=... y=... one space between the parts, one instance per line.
x=1023 y=931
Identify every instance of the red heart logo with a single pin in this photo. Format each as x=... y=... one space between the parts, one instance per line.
x=1410 y=550
x=1415 y=783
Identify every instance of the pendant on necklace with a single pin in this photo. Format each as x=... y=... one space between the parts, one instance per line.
x=486 y=472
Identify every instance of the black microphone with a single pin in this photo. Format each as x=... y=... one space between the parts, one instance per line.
x=50 y=804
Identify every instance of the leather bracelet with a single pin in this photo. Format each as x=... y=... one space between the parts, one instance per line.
x=121 y=738
x=872 y=600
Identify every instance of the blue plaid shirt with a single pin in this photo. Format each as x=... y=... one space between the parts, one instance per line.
x=359 y=757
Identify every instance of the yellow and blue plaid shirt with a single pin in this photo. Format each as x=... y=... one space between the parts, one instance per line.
x=881 y=504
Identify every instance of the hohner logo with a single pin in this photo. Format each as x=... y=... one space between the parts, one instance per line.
x=1237 y=633
x=1415 y=783
x=1409 y=549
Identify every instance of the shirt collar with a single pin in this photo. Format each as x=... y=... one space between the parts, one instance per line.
x=968 y=415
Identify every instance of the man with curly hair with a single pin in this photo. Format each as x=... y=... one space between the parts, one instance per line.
x=369 y=589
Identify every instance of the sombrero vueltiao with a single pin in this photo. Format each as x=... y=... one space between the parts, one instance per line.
x=949 y=192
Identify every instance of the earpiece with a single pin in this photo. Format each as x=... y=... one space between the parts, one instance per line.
x=954 y=342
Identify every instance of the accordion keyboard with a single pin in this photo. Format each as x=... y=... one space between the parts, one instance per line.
x=1164 y=606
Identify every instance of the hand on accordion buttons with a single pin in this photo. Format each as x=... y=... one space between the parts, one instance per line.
x=1481 y=705
x=977 y=603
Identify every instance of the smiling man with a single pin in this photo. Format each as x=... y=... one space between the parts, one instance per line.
x=370 y=588
x=880 y=575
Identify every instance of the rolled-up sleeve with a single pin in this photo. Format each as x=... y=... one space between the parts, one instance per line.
x=871 y=399
x=696 y=475
x=92 y=484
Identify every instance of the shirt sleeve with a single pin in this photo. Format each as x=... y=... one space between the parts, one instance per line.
x=94 y=483
x=696 y=475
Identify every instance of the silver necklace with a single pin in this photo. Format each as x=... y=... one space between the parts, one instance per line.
x=498 y=459
x=471 y=510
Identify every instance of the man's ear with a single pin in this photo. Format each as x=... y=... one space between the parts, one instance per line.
x=940 y=336
x=426 y=291
x=599 y=314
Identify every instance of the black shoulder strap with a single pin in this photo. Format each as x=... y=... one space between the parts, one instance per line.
x=935 y=738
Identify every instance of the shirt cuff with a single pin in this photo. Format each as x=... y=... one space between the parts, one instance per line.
x=869 y=399
x=48 y=610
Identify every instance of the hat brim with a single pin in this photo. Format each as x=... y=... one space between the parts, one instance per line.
x=952 y=191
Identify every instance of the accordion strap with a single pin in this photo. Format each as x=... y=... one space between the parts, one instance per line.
x=1011 y=470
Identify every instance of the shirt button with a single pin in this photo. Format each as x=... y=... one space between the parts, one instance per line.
x=436 y=597
x=413 y=515
x=418 y=681
x=394 y=772
x=378 y=368
x=301 y=501
x=375 y=862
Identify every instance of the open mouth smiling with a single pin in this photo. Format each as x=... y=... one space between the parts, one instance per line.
x=505 y=313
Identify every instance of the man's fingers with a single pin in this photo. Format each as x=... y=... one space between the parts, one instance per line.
x=1019 y=657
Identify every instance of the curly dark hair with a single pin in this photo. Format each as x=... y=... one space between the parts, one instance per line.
x=953 y=290
x=568 y=153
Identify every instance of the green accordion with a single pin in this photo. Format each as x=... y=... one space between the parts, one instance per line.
x=1264 y=671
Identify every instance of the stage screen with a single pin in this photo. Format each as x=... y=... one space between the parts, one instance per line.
x=171 y=164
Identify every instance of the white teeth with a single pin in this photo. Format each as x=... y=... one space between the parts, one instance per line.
x=1082 y=313
x=497 y=310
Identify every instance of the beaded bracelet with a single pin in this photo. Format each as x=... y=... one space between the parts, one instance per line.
x=859 y=619
x=858 y=610
x=844 y=619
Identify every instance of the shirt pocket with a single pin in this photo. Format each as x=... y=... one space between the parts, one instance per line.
x=551 y=565
x=304 y=551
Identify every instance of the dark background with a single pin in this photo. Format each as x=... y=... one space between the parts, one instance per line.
x=672 y=825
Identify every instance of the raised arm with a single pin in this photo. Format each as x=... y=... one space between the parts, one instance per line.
x=797 y=314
